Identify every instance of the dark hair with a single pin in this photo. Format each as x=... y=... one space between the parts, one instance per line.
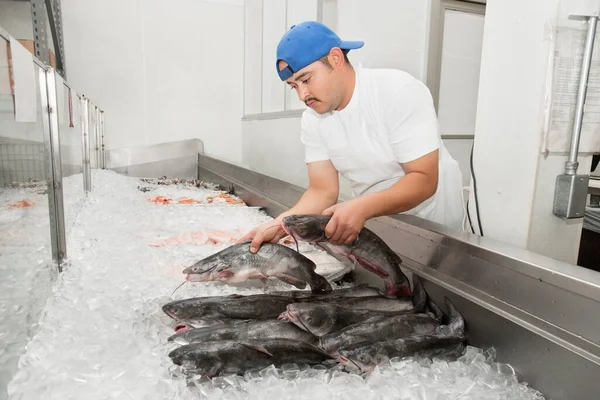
x=325 y=61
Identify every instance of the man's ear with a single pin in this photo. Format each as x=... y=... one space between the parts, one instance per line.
x=336 y=58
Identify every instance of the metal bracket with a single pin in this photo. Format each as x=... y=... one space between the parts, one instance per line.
x=55 y=18
x=40 y=35
x=51 y=10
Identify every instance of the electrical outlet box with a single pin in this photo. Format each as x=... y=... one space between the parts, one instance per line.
x=570 y=196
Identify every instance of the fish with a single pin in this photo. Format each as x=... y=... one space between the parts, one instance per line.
x=236 y=264
x=213 y=310
x=321 y=318
x=228 y=357
x=445 y=341
x=378 y=328
x=368 y=249
x=258 y=306
x=256 y=329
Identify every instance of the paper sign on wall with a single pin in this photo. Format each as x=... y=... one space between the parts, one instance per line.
x=565 y=71
x=24 y=82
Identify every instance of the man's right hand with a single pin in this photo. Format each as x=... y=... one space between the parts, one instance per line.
x=267 y=232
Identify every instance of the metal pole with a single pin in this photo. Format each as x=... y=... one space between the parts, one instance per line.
x=54 y=168
x=98 y=143
x=572 y=164
x=85 y=146
x=102 y=140
x=570 y=194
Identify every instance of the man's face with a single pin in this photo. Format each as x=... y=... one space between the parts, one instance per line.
x=318 y=86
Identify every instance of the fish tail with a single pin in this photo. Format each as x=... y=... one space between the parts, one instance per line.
x=456 y=321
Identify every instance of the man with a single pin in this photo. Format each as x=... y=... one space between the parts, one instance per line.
x=377 y=128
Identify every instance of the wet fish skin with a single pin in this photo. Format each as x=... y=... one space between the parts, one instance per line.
x=236 y=264
x=248 y=307
x=445 y=340
x=378 y=328
x=366 y=357
x=369 y=250
x=236 y=357
x=255 y=329
x=362 y=290
x=323 y=318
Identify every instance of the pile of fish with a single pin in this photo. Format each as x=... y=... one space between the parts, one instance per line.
x=356 y=328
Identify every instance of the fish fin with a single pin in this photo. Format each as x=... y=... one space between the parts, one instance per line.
x=456 y=321
x=419 y=295
x=369 y=266
x=257 y=348
x=298 y=283
x=214 y=371
x=435 y=309
x=398 y=285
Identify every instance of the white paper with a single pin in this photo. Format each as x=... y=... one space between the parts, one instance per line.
x=568 y=56
x=25 y=82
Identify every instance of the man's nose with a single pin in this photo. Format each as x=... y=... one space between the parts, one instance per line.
x=303 y=93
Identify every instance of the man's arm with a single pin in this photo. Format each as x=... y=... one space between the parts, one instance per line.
x=418 y=185
x=322 y=192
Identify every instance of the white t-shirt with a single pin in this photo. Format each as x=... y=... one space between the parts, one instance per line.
x=389 y=120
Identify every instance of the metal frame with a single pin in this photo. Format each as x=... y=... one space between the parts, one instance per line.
x=102 y=149
x=55 y=18
x=436 y=38
x=53 y=163
x=51 y=9
x=536 y=311
x=85 y=144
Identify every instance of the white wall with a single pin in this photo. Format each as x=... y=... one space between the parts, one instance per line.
x=395 y=33
x=162 y=72
x=515 y=180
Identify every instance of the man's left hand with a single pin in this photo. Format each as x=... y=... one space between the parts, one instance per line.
x=348 y=218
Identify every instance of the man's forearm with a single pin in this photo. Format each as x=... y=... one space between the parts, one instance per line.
x=410 y=191
x=313 y=201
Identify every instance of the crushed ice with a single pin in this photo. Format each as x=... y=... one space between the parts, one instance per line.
x=102 y=333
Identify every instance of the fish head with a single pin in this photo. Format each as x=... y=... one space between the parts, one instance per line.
x=181 y=310
x=210 y=268
x=306 y=227
x=318 y=320
x=357 y=361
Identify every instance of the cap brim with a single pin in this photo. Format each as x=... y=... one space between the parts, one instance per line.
x=351 y=45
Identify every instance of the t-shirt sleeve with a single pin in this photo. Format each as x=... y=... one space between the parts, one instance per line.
x=412 y=123
x=314 y=150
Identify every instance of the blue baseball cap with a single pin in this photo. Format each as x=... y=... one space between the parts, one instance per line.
x=306 y=43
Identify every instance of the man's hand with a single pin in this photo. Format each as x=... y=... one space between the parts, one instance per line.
x=348 y=218
x=268 y=232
